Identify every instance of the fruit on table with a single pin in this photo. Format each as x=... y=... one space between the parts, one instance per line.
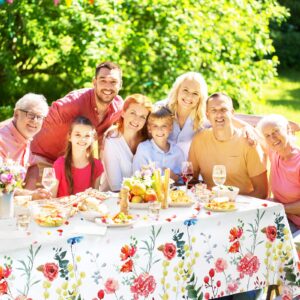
x=121 y=218
x=138 y=189
x=150 y=195
x=137 y=199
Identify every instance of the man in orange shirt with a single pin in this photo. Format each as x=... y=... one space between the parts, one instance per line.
x=223 y=144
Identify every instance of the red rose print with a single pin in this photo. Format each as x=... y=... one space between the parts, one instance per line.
x=220 y=265
x=111 y=285
x=271 y=233
x=206 y=279
x=211 y=272
x=248 y=265
x=235 y=247
x=127 y=252
x=100 y=294
x=143 y=285
x=4 y=273
x=235 y=233
x=3 y=287
x=127 y=267
x=218 y=283
x=169 y=250
x=50 y=271
x=206 y=296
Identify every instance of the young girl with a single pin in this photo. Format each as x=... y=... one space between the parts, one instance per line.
x=78 y=169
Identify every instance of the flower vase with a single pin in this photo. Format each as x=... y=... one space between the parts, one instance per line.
x=6 y=205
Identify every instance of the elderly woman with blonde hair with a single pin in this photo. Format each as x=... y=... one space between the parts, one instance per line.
x=284 y=157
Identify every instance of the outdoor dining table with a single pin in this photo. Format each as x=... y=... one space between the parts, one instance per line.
x=188 y=253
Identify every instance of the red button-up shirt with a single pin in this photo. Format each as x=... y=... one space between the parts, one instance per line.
x=51 y=141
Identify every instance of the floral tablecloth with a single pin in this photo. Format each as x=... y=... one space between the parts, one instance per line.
x=189 y=253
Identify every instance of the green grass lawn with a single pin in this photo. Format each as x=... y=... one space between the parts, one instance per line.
x=282 y=96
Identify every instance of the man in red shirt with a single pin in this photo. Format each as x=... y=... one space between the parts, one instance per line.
x=101 y=105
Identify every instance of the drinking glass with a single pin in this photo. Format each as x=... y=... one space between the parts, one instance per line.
x=154 y=209
x=186 y=172
x=219 y=174
x=49 y=178
x=23 y=221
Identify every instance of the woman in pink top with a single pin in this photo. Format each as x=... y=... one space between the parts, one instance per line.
x=285 y=165
x=78 y=169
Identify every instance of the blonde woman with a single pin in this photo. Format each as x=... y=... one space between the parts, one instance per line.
x=186 y=101
x=120 y=146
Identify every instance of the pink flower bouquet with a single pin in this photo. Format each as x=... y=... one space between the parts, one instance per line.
x=12 y=176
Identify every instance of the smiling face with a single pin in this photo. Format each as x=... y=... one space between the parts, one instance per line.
x=29 y=120
x=82 y=137
x=188 y=94
x=219 y=112
x=276 y=137
x=107 y=85
x=135 y=117
x=160 y=129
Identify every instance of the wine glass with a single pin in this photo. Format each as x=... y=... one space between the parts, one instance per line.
x=186 y=172
x=49 y=178
x=219 y=174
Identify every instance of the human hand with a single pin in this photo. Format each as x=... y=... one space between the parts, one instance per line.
x=250 y=134
x=41 y=193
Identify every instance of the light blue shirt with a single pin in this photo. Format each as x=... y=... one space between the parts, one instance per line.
x=182 y=137
x=148 y=152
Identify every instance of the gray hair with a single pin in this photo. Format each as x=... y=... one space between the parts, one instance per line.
x=278 y=121
x=275 y=120
x=33 y=100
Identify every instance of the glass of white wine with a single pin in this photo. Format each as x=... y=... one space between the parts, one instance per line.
x=49 y=178
x=219 y=174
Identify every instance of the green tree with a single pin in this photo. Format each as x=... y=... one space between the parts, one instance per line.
x=53 y=49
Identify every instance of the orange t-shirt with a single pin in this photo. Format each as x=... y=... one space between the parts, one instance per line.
x=241 y=160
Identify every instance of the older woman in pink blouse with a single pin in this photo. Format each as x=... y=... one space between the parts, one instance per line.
x=284 y=157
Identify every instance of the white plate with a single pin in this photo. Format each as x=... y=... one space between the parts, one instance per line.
x=181 y=204
x=90 y=214
x=143 y=205
x=219 y=209
x=109 y=223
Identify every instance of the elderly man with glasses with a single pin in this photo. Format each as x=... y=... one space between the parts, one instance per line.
x=15 y=136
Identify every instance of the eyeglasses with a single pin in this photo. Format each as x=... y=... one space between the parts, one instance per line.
x=32 y=116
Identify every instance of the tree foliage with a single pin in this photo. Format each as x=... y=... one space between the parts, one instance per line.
x=54 y=49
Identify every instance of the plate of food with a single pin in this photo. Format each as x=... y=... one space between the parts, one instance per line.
x=101 y=196
x=118 y=220
x=221 y=204
x=92 y=208
x=179 y=198
x=48 y=214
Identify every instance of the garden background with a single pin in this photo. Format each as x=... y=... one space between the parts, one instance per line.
x=248 y=48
